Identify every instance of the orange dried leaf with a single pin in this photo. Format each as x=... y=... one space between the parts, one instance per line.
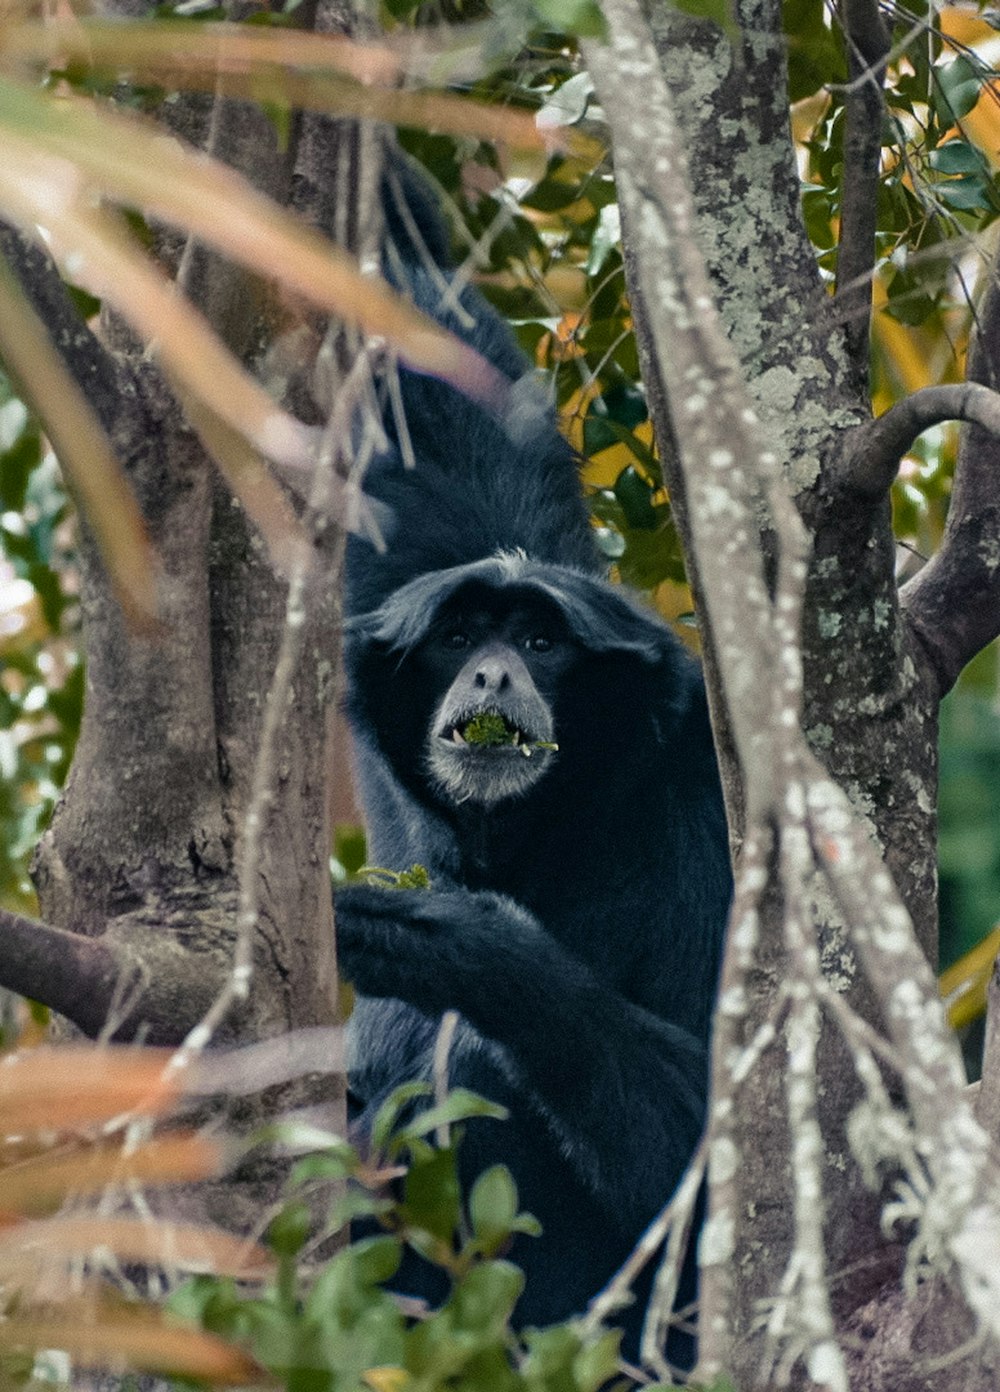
x=133 y=163
x=58 y=1089
x=320 y=72
x=204 y=48
x=37 y=1183
x=118 y=272
x=127 y=1339
x=153 y=1241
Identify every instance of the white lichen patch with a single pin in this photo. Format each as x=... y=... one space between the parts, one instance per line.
x=718 y=1240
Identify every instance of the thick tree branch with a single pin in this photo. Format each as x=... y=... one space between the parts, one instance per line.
x=72 y=974
x=867 y=44
x=953 y=605
x=139 y=979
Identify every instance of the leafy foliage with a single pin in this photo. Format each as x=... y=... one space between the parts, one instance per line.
x=333 y=1324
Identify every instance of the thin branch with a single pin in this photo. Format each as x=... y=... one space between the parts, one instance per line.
x=868 y=44
x=660 y=1315
x=442 y=1054
x=618 y=1292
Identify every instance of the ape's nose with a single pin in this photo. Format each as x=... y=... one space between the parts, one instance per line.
x=492 y=675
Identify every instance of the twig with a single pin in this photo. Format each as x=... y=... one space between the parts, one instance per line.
x=442 y=1051
x=618 y=1291
x=660 y=1312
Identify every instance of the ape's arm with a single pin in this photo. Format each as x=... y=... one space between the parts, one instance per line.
x=620 y=1088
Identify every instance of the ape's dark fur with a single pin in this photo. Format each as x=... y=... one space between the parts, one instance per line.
x=574 y=919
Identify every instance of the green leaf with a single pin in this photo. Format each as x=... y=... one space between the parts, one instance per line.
x=817 y=213
x=581 y=18
x=353 y=1204
x=815 y=54
x=957 y=87
x=597 y=1362
x=349 y=846
x=459 y=1105
x=388 y=1114
x=289 y=1229
x=484 y=1299
x=376 y=1259
x=325 y=1165
x=957 y=157
x=551 y=195
x=551 y=1354
x=636 y=497
x=720 y=12
x=493 y=1207
x=967 y=194
x=432 y=1198
x=908 y=301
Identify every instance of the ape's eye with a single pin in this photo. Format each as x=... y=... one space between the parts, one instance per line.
x=456 y=641
x=539 y=643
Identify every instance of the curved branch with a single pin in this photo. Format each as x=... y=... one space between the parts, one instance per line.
x=867 y=44
x=953 y=605
x=872 y=453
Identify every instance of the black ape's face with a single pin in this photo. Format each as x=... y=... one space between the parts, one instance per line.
x=495 y=662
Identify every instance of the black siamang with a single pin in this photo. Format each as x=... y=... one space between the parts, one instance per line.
x=575 y=838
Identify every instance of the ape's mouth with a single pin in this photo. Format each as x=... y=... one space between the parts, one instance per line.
x=490 y=729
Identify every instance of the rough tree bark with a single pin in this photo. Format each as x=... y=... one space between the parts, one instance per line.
x=874 y=664
x=190 y=833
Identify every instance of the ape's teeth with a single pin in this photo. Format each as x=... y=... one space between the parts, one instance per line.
x=456 y=736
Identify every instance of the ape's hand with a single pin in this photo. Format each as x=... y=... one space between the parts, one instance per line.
x=438 y=949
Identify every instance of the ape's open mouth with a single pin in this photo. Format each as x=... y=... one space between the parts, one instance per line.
x=489 y=729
